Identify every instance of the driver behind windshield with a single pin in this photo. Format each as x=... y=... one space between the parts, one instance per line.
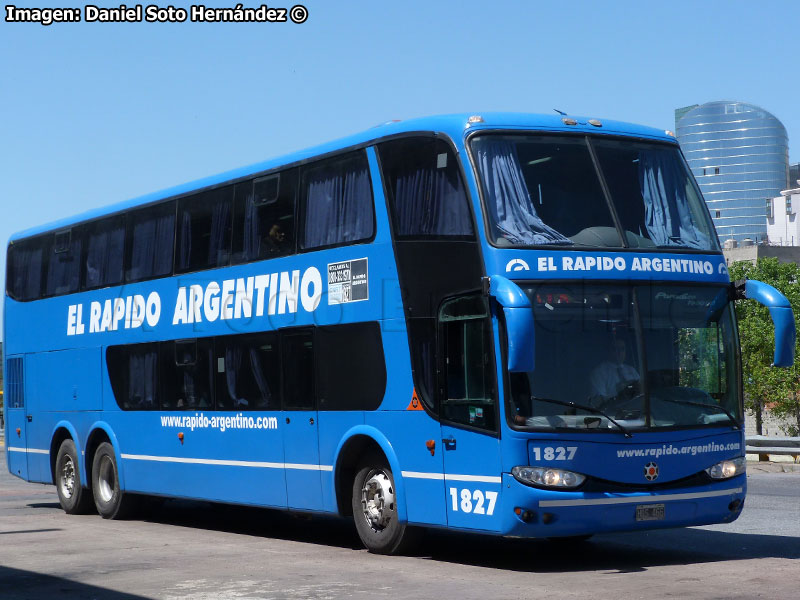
x=611 y=377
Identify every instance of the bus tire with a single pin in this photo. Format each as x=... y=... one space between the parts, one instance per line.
x=74 y=499
x=375 y=509
x=110 y=500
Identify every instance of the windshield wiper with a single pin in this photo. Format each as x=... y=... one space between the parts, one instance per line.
x=597 y=411
x=705 y=405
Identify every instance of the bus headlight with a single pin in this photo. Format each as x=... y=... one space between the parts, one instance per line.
x=547 y=477
x=727 y=468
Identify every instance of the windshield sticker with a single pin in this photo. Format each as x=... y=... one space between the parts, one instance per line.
x=348 y=281
x=621 y=264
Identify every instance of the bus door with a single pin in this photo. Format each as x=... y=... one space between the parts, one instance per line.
x=300 y=439
x=470 y=420
x=16 y=418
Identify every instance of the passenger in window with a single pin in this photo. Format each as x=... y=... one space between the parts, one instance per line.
x=614 y=378
x=276 y=240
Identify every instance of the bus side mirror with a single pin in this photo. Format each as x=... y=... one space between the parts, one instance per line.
x=519 y=322
x=782 y=316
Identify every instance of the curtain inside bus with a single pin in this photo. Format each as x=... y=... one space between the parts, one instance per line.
x=667 y=215
x=510 y=206
x=338 y=204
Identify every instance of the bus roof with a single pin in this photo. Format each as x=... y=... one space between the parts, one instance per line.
x=456 y=126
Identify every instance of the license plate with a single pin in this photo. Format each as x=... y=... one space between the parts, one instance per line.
x=650 y=512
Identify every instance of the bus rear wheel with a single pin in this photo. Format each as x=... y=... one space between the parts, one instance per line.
x=74 y=499
x=375 y=509
x=110 y=500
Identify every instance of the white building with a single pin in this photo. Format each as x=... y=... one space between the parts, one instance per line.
x=783 y=223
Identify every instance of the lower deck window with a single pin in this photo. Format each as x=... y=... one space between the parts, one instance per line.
x=339 y=367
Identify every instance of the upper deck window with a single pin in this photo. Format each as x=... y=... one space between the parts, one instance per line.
x=150 y=242
x=548 y=190
x=337 y=202
x=105 y=253
x=654 y=194
x=264 y=215
x=204 y=230
x=64 y=264
x=24 y=279
x=426 y=193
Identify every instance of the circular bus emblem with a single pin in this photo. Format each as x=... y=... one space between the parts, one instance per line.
x=651 y=471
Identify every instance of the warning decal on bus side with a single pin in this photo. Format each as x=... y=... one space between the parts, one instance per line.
x=348 y=281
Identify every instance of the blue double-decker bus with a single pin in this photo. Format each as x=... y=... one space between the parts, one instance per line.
x=512 y=324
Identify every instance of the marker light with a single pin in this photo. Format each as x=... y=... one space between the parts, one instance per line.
x=595 y=122
x=474 y=119
x=569 y=121
x=727 y=468
x=669 y=133
x=547 y=477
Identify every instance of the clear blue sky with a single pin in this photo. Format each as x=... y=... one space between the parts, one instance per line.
x=94 y=113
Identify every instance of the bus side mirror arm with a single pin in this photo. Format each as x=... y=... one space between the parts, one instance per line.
x=781 y=312
x=519 y=322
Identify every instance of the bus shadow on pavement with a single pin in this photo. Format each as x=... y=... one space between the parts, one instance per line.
x=256 y=521
x=17 y=584
x=623 y=552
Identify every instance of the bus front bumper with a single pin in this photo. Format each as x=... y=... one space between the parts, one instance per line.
x=533 y=512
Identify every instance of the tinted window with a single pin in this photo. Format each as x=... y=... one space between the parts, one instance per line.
x=422 y=341
x=105 y=253
x=264 y=219
x=351 y=371
x=204 y=230
x=465 y=341
x=24 y=280
x=254 y=371
x=133 y=371
x=187 y=374
x=337 y=202
x=655 y=196
x=298 y=369
x=542 y=190
x=426 y=193
x=151 y=237
x=64 y=263
x=248 y=372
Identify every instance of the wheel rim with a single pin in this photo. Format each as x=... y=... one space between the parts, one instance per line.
x=67 y=480
x=106 y=479
x=377 y=500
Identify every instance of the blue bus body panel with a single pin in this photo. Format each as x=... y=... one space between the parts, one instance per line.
x=50 y=393
x=217 y=459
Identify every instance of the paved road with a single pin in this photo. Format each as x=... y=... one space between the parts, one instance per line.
x=203 y=551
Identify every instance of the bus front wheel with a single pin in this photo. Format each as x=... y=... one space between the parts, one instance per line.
x=110 y=500
x=74 y=499
x=375 y=509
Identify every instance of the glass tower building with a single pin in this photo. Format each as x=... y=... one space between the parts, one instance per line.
x=739 y=154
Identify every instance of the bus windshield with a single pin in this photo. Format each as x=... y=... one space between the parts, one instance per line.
x=549 y=190
x=650 y=356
